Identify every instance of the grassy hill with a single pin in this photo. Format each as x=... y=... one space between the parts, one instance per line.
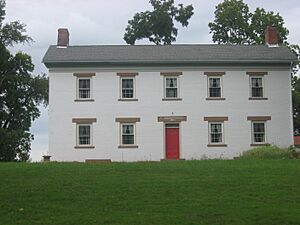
x=183 y=192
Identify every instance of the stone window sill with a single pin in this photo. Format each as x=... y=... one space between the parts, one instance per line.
x=127 y=99
x=262 y=98
x=84 y=100
x=217 y=99
x=216 y=145
x=128 y=146
x=259 y=144
x=172 y=99
x=83 y=147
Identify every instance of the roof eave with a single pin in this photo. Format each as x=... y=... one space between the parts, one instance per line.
x=179 y=63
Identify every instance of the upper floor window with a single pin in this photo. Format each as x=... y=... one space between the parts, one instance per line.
x=257 y=85
x=257 y=89
x=127 y=86
x=171 y=87
x=84 y=86
x=214 y=85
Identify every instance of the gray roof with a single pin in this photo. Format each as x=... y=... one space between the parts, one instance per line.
x=183 y=54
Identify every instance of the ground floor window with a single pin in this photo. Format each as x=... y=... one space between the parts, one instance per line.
x=215 y=132
x=128 y=134
x=258 y=132
x=84 y=134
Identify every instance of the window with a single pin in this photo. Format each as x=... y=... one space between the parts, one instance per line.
x=127 y=86
x=214 y=85
x=84 y=88
x=258 y=132
x=257 y=90
x=128 y=131
x=171 y=87
x=257 y=85
x=216 y=133
x=258 y=129
x=214 y=90
x=127 y=134
x=216 y=136
x=84 y=132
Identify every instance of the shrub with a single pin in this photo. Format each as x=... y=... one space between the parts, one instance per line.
x=269 y=152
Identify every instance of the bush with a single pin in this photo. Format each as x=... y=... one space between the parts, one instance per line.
x=269 y=152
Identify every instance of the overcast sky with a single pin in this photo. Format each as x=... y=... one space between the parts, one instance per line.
x=104 y=21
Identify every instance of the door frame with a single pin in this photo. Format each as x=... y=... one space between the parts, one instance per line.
x=179 y=136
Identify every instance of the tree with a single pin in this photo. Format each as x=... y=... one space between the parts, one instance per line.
x=235 y=24
x=158 y=25
x=20 y=93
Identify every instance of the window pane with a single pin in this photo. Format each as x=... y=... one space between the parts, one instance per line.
x=127 y=139
x=127 y=93
x=214 y=82
x=257 y=92
x=84 y=83
x=171 y=82
x=127 y=83
x=214 y=92
x=171 y=92
x=84 y=93
x=127 y=129
x=84 y=135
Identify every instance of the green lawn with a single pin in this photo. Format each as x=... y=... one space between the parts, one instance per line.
x=185 y=192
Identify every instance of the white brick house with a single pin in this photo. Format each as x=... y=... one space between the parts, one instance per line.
x=138 y=103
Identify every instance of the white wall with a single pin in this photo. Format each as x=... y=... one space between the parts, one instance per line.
x=149 y=132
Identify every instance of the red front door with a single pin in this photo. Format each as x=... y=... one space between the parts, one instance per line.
x=172 y=143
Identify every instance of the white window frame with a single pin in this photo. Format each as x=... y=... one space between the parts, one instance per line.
x=121 y=87
x=252 y=132
x=209 y=133
x=208 y=87
x=263 y=86
x=91 y=88
x=77 y=134
x=121 y=134
x=165 y=87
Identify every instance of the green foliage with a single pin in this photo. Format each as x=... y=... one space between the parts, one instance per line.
x=20 y=93
x=208 y=192
x=13 y=32
x=235 y=24
x=158 y=25
x=296 y=104
x=269 y=152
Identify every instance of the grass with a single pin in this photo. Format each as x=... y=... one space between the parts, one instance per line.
x=185 y=192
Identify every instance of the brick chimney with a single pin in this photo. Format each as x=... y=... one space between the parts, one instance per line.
x=63 y=38
x=271 y=36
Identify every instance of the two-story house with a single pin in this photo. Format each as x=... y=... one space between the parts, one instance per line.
x=186 y=101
